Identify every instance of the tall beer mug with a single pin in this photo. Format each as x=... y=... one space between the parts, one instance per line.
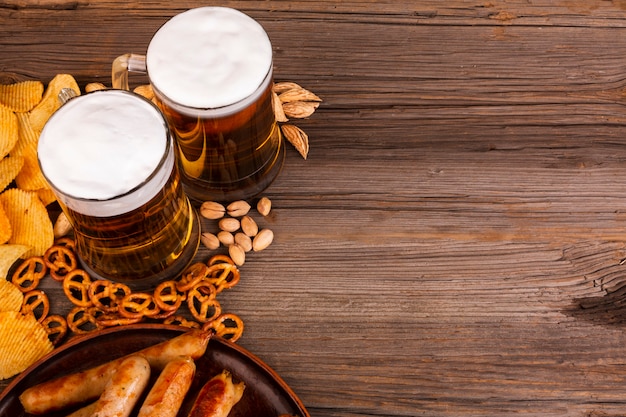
x=109 y=158
x=211 y=72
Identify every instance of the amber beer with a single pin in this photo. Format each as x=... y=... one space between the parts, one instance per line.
x=211 y=71
x=110 y=159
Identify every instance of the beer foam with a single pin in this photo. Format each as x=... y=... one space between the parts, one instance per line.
x=100 y=147
x=209 y=57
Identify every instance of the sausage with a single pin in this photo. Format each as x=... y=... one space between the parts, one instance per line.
x=124 y=388
x=87 y=385
x=217 y=397
x=85 y=411
x=169 y=390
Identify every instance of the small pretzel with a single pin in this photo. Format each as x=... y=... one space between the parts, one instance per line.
x=67 y=242
x=202 y=303
x=60 y=260
x=167 y=297
x=216 y=259
x=76 y=287
x=228 y=325
x=82 y=320
x=36 y=302
x=27 y=276
x=181 y=321
x=223 y=275
x=192 y=276
x=106 y=295
x=56 y=327
x=138 y=305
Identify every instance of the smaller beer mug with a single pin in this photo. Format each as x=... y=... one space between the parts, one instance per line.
x=211 y=72
x=109 y=158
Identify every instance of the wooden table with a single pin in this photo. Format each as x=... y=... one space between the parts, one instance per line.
x=454 y=244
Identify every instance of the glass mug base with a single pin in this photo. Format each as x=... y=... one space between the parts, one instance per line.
x=171 y=272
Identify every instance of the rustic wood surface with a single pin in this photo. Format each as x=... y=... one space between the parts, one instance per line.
x=454 y=244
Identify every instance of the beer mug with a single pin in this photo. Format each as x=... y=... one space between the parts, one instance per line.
x=109 y=158
x=211 y=72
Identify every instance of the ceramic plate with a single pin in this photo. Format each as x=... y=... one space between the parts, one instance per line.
x=266 y=394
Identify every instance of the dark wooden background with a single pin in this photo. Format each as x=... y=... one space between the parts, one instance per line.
x=454 y=244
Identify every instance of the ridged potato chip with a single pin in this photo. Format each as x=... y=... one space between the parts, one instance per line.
x=9 y=133
x=5 y=226
x=23 y=341
x=9 y=254
x=21 y=96
x=29 y=219
x=11 y=297
x=50 y=101
x=9 y=168
x=30 y=176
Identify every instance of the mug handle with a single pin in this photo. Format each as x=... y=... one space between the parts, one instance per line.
x=124 y=64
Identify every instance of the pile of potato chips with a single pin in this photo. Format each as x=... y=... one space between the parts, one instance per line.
x=25 y=225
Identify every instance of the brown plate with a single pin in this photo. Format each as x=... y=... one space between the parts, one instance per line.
x=266 y=394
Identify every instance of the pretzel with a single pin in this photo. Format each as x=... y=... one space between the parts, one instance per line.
x=36 y=302
x=60 y=260
x=228 y=326
x=106 y=295
x=27 y=276
x=192 y=275
x=114 y=319
x=202 y=303
x=223 y=275
x=67 y=242
x=215 y=259
x=76 y=287
x=82 y=320
x=138 y=305
x=56 y=327
x=182 y=321
x=167 y=297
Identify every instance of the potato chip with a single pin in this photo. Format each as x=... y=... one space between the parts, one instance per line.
x=11 y=297
x=50 y=101
x=9 y=168
x=5 y=226
x=23 y=341
x=21 y=96
x=29 y=219
x=8 y=130
x=9 y=254
x=30 y=176
x=46 y=195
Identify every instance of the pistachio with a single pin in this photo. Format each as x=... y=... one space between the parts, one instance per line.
x=300 y=109
x=249 y=226
x=262 y=240
x=283 y=86
x=279 y=113
x=209 y=240
x=298 y=94
x=238 y=208
x=212 y=210
x=226 y=238
x=244 y=241
x=237 y=254
x=264 y=206
x=229 y=224
x=62 y=226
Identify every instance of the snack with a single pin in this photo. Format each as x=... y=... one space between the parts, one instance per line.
x=8 y=255
x=10 y=166
x=30 y=223
x=10 y=296
x=9 y=131
x=217 y=397
x=23 y=340
x=21 y=96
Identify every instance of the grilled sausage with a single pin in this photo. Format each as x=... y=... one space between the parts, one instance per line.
x=169 y=390
x=80 y=387
x=124 y=388
x=217 y=397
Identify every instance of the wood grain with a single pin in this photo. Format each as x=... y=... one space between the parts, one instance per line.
x=454 y=244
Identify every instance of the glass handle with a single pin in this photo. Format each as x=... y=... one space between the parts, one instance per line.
x=124 y=64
